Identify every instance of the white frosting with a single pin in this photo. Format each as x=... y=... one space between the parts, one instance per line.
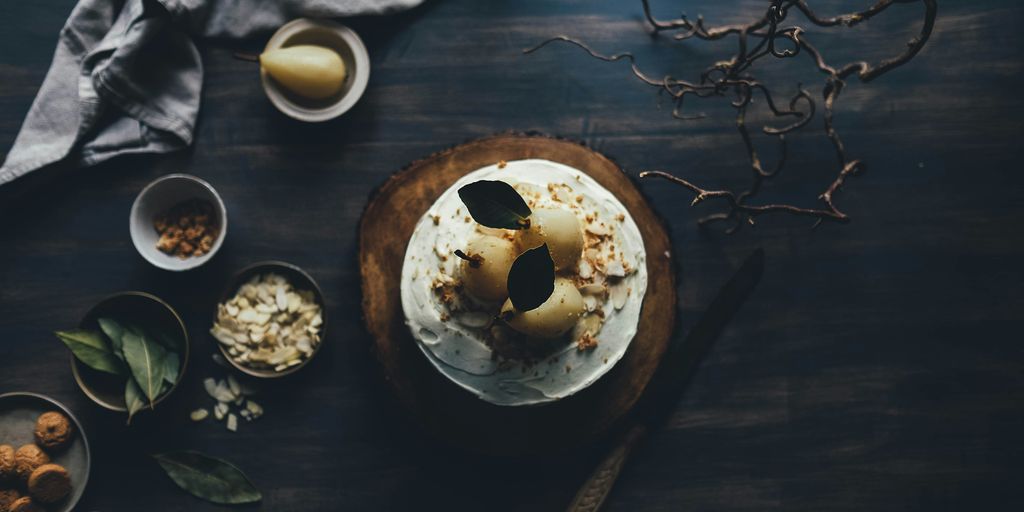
x=458 y=350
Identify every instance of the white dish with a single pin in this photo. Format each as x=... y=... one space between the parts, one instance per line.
x=459 y=351
x=346 y=43
x=157 y=197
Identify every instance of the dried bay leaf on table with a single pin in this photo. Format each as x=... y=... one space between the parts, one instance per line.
x=145 y=358
x=92 y=349
x=209 y=478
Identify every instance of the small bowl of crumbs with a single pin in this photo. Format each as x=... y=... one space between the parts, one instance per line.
x=178 y=222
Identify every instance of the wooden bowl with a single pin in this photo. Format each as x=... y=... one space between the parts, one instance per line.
x=144 y=309
x=300 y=280
x=442 y=407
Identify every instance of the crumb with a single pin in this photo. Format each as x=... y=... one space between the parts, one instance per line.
x=586 y=342
x=436 y=219
x=444 y=290
x=187 y=229
x=502 y=164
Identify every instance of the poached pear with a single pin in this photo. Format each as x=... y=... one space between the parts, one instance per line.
x=551 y=319
x=313 y=72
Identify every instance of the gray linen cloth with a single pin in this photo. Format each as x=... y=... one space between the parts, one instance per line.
x=126 y=76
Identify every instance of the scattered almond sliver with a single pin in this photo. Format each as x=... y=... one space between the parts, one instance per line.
x=229 y=393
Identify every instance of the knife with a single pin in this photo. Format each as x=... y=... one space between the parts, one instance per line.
x=669 y=381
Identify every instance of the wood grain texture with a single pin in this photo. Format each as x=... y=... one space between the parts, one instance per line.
x=878 y=366
x=452 y=413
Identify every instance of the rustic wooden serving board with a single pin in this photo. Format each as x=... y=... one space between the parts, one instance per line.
x=441 y=406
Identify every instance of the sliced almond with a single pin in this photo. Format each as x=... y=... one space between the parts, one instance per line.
x=597 y=229
x=614 y=268
x=254 y=408
x=233 y=385
x=281 y=298
x=248 y=315
x=586 y=271
x=473 y=319
x=618 y=293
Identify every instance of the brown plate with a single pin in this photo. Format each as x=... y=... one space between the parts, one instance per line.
x=300 y=280
x=18 y=414
x=443 y=407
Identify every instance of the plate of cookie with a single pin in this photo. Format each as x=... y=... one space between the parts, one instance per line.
x=44 y=455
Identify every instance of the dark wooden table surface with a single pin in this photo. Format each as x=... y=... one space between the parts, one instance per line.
x=879 y=365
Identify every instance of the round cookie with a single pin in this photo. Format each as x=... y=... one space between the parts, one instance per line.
x=49 y=483
x=7 y=466
x=53 y=431
x=27 y=459
x=7 y=498
x=25 y=505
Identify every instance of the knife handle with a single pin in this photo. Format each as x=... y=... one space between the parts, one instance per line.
x=595 y=490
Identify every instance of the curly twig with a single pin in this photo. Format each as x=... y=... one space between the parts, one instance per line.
x=755 y=40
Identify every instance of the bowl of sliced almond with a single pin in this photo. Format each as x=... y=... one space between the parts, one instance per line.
x=271 y=320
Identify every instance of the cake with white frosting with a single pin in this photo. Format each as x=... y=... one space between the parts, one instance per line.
x=569 y=252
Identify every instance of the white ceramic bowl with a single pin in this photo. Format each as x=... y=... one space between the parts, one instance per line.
x=157 y=197
x=331 y=35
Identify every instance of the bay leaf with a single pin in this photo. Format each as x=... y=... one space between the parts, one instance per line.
x=209 y=478
x=145 y=358
x=114 y=332
x=495 y=204
x=92 y=350
x=172 y=367
x=531 y=280
x=133 y=398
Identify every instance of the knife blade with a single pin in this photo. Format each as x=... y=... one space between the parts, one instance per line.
x=676 y=368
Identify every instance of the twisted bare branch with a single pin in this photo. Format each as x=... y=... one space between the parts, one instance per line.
x=764 y=37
